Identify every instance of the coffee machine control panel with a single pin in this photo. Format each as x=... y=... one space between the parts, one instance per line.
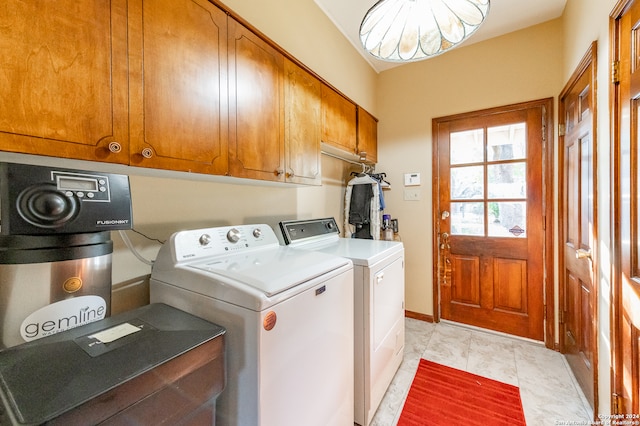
x=40 y=200
x=88 y=187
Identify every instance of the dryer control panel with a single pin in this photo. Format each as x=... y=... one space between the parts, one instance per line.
x=307 y=230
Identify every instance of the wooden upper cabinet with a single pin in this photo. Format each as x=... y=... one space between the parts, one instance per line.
x=63 y=84
x=178 y=51
x=338 y=120
x=367 y=136
x=256 y=106
x=302 y=93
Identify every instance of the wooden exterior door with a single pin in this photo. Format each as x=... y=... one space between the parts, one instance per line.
x=490 y=217
x=625 y=191
x=578 y=224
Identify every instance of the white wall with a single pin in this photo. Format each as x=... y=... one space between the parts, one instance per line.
x=521 y=66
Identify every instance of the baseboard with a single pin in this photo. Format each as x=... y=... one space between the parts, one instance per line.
x=418 y=316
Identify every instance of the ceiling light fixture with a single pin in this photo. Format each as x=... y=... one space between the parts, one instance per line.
x=411 y=30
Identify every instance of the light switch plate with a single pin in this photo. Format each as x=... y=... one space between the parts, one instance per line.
x=411 y=179
x=412 y=194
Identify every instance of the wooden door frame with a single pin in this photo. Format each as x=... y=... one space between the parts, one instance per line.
x=547 y=200
x=616 y=270
x=588 y=64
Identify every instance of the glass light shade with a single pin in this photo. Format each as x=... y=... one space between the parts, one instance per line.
x=411 y=30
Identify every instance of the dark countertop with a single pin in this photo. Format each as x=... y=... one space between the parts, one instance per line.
x=42 y=379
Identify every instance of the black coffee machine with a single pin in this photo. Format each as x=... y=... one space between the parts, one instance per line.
x=56 y=248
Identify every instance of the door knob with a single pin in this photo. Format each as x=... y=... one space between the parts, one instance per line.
x=583 y=254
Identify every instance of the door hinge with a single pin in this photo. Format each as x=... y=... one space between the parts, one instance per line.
x=561 y=129
x=615 y=403
x=615 y=72
x=544 y=125
x=544 y=312
x=561 y=319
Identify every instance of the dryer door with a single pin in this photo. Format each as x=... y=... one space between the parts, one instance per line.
x=387 y=328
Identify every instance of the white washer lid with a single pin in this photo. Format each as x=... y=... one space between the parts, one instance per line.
x=360 y=251
x=271 y=271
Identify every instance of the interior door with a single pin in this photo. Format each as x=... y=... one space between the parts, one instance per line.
x=578 y=227
x=625 y=181
x=490 y=220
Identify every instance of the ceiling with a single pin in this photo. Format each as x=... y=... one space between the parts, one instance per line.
x=505 y=16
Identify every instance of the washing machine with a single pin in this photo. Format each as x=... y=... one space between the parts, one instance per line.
x=288 y=314
x=378 y=304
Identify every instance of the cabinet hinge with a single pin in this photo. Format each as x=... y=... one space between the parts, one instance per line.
x=561 y=320
x=544 y=312
x=561 y=129
x=615 y=72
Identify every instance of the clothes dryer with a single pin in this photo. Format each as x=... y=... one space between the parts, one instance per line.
x=378 y=304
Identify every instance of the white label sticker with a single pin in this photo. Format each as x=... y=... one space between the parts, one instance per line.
x=114 y=333
x=63 y=315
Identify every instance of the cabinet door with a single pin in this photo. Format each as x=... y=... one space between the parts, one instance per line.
x=302 y=125
x=178 y=85
x=338 y=120
x=63 y=79
x=256 y=106
x=367 y=136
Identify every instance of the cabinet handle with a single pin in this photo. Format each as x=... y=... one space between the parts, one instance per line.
x=115 y=147
x=147 y=153
x=379 y=277
x=279 y=172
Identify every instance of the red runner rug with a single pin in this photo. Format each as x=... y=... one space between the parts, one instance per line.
x=441 y=395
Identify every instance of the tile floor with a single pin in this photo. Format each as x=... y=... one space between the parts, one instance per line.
x=549 y=392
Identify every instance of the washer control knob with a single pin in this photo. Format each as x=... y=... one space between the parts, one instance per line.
x=330 y=225
x=257 y=232
x=204 y=239
x=233 y=235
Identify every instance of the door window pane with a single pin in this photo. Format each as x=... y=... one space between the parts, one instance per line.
x=507 y=180
x=507 y=219
x=467 y=183
x=507 y=142
x=467 y=219
x=466 y=147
